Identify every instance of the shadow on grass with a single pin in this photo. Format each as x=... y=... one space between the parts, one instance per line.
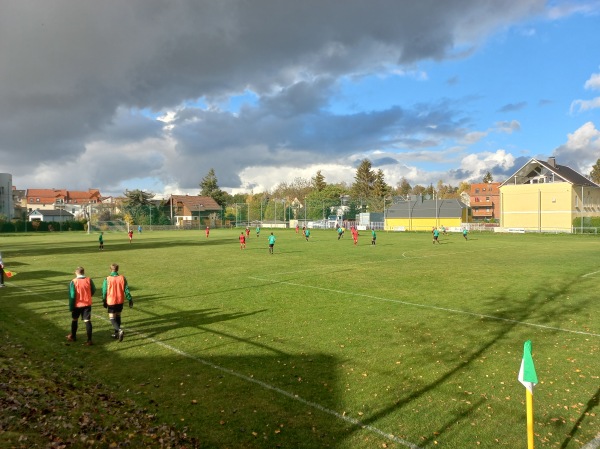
x=110 y=244
x=509 y=319
x=159 y=323
x=591 y=405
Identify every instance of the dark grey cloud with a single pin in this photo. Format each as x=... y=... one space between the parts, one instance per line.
x=69 y=70
x=380 y=162
x=453 y=81
x=270 y=135
x=512 y=107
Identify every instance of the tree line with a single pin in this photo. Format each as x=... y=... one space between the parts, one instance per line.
x=300 y=198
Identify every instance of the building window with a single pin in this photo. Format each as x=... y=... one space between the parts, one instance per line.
x=37 y=200
x=476 y=190
x=487 y=198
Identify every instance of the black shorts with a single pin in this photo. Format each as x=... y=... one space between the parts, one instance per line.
x=84 y=312
x=271 y=245
x=115 y=308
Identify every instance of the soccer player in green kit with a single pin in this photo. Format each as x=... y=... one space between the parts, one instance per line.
x=271 y=243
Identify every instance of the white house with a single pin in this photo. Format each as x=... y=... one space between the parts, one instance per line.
x=58 y=216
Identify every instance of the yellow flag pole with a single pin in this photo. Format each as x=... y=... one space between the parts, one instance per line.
x=529 y=396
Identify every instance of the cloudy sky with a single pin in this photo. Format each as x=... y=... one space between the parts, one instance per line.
x=151 y=94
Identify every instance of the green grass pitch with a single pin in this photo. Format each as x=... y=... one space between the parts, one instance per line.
x=405 y=344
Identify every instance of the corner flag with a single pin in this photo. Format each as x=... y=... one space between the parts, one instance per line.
x=528 y=378
x=527 y=374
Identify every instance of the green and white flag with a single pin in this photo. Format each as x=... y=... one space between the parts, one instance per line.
x=527 y=375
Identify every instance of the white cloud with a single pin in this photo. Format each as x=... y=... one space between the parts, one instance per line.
x=585 y=105
x=564 y=9
x=581 y=150
x=594 y=82
x=479 y=164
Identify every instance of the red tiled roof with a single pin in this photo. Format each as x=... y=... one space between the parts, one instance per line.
x=48 y=196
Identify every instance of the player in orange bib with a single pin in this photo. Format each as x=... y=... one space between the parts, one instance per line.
x=114 y=293
x=81 y=291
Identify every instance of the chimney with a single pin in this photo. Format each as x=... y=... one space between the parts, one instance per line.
x=552 y=161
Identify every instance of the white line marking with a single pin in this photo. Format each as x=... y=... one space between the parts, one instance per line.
x=262 y=384
x=590 y=274
x=594 y=444
x=287 y=394
x=445 y=309
x=362 y=263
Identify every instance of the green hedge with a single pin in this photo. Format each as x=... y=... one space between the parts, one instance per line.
x=27 y=226
x=588 y=222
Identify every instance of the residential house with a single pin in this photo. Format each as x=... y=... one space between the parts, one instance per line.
x=190 y=210
x=72 y=201
x=484 y=200
x=547 y=197
x=55 y=215
x=19 y=203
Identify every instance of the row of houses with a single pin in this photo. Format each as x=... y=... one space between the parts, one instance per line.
x=61 y=205
x=541 y=196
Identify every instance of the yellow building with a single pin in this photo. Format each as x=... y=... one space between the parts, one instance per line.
x=547 y=197
x=419 y=213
